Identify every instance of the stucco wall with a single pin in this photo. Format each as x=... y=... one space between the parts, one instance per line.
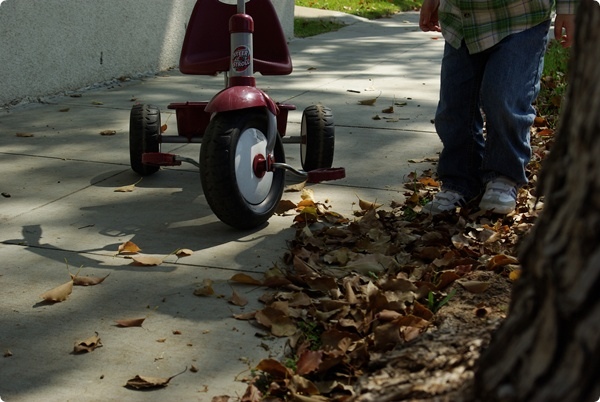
x=50 y=46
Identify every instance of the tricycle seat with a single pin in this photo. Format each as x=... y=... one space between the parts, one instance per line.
x=206 y=45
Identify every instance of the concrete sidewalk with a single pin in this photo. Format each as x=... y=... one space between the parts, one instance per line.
x=59 y=207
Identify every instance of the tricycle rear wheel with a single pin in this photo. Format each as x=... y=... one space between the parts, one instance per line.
x=317 y=138
x=144 y=136
x=237 y=195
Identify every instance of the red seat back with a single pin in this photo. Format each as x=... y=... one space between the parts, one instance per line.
x=205 y=48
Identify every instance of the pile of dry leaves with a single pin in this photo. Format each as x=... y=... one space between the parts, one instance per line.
x=391 y=304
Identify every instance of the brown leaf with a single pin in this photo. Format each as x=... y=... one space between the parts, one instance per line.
x=501 y=260
x=87 y=280
x=369 y=102
x=146 y=382
x=146 y=260
x=163 y=128
x=125 y=189
x=274 y=368
x=134 y=322
x=277 y=321
x=59 y=293
x=24 y=135
x=295 y=187
x=252 y=394
x=129 y=247
x=474 y=286
x=206 y=289
x=366 y=205
x=245 y=316
x=237 y=300
x=284 y=206
x=247 y=279
x=308 y=362
x=108 y=132
x=87 y=345
x=184 y=252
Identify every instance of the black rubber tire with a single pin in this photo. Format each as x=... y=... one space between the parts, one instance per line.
x=317 y=138
x=144 y=136
x=218 y=170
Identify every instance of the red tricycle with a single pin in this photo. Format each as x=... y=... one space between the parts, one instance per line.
x=241 y=129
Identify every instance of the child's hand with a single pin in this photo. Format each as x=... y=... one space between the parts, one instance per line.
x=428 y=19
x=564 y=29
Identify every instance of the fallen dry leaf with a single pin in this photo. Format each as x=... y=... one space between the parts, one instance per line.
x=295 y=187
x=146 y=260
x=309 y=361
x=184 y=252
x=147 y=382
x=127 y=189
x=108 y=132
x=366 y=205
x=247 y=279
x=206 y=289
x=368 y=102
x=284 y=206
x=87 y=280
x=87 y=345
x=501 y=260
x=24 y=135
x=134 y=322
x=129 y=247
x=474 y=286
x=59 y=293
x=237 y=300
x=163 y=128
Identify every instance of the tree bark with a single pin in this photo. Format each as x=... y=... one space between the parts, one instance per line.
x=548 y=349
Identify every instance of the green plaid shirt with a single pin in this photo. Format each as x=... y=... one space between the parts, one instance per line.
x=484 y=23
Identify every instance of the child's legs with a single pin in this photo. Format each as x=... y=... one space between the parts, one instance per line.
x=459 y=123
x=510 y=84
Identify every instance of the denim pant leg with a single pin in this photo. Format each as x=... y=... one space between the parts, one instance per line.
x=510 y=85
x=459 y=123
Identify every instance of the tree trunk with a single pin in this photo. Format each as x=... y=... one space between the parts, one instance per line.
x=548 y=349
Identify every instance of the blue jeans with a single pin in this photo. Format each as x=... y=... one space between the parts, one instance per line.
x=497 y=86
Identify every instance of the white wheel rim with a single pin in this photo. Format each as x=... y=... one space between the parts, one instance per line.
x=254 y=189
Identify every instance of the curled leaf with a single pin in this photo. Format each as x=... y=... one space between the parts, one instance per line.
x=474 y=286
x=127 y=189
x=129 y=247
x=184 y=252
x=238 y=300
x=366 y=205
x=134 y=322
x=59 y=293
x=87 y=345
x=206 y=289
x=87 y=280
x=146 y=260
x=284 y=206
x=247 y=279
x=147 y=382
x=369 y=102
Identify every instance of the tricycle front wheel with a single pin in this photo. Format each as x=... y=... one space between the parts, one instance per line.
x=239 y=195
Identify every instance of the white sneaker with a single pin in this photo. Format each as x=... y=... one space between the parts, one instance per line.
x=444 y=201
x=500 y=196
